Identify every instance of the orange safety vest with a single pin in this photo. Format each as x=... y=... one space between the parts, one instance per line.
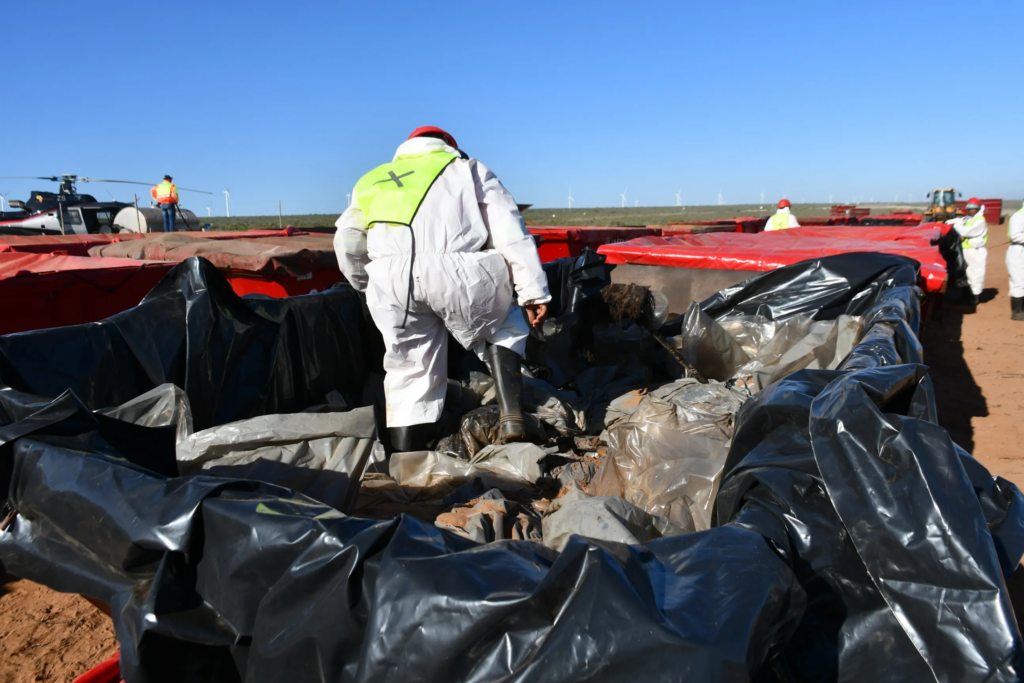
x=165 y=193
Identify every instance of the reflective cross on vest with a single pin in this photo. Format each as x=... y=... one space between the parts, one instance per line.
x=396 y=178
x=392 y=193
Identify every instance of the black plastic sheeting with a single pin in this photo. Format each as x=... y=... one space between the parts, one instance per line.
x=235 y=358
x=853 y=541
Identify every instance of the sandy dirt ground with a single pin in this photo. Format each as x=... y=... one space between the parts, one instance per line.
x=977 y=362
x=49 y=636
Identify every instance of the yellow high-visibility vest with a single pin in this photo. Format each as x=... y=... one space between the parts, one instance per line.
x=392 y=193
x=966 y=243
x=780 y=221
x=165 y=193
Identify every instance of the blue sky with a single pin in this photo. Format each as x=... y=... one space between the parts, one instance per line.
x=294 y=101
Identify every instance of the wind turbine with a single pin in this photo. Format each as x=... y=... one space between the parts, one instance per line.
x=762 y=197
x=227 y=202
x=719 y=196
x=348 y=198
x=570 y=197
x=679 y=198
x=636 y=203
x=3 y=200
x=208 y=214
x=623 y=195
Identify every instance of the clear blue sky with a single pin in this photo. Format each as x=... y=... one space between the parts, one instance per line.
x=295 y=100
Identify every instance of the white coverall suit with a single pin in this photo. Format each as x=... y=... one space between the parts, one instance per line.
x=471 y=248
x=974 y=232
x=790 y=220
x=1015 y=254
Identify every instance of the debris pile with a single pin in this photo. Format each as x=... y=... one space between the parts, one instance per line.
x=211 y=468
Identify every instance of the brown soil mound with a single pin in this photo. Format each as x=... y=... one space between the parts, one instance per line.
x=630 y=302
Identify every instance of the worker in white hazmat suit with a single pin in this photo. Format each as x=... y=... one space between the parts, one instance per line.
x=973 y=231
x=438 y=244
x=783 y=218
x=1015 y=263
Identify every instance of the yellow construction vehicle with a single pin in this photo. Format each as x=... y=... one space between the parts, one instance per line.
x=943 y=206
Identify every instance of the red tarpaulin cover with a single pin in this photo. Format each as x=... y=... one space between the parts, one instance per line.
x=14 y=265
x=267 y=256
x=47 y=290
x=768 y=251
x=79 y=245
x=555 y=242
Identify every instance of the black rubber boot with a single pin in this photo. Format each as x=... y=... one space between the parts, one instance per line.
x=1017 y=305
x=508 y=384
x=411 y=438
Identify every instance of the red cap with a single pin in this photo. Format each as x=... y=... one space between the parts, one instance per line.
x=974 y=201
x=784 y=204
x=423 y=130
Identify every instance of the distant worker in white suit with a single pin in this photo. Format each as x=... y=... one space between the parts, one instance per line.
x=438 y=245
x=1015 y=263
x=783 y=219
x=973 y=231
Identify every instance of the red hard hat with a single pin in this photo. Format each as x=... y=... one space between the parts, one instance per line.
x=974 y=201
x=424 y=130
x=784 y=204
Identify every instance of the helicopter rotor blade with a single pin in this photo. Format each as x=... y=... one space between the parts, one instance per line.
x=104 y=180
x=133 y=182
x=31 y=177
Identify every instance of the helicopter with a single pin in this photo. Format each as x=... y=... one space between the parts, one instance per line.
x=66 y=212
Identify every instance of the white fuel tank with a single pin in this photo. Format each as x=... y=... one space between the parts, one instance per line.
x=151 y=219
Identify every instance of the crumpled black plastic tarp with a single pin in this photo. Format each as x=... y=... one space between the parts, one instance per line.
x=235 y=358
x=853 y=541
x=822 y=288
x=951 y=248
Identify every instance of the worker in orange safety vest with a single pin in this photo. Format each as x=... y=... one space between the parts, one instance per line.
x=166 y=195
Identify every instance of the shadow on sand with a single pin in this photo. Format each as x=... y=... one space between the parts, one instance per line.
x=957 y=396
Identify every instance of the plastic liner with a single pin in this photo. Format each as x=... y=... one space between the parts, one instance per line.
x=229 y=580
x=492 y=517
x=850 y=540
x=849 y=478
x=824 y=289
x=759 y=350
x=605 y=518
x=667 y=456
x=321 y=455
x=234 y=358
x=164 y=406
